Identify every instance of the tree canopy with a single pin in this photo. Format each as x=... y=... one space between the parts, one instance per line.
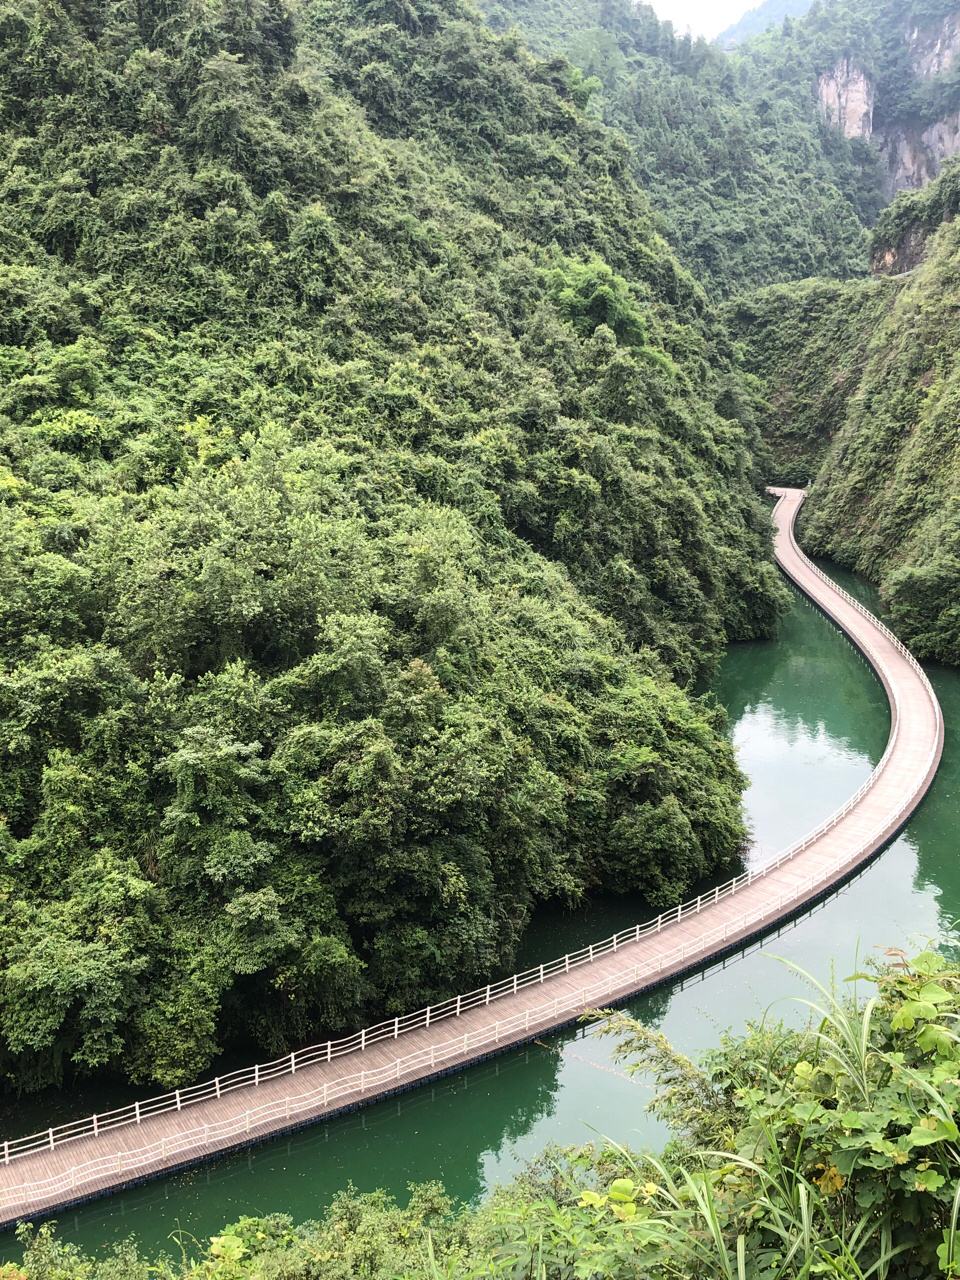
x=860 y=385
x=375 y=487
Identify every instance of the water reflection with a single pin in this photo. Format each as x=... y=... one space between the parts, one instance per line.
x=809 y=721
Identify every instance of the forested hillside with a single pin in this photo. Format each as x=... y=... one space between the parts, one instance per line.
x=752 y=187
x=368 y=468
x=905 y=48
x=767 y=163
x=863 y=384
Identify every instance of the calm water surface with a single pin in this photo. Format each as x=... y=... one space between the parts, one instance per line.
x=809 y=721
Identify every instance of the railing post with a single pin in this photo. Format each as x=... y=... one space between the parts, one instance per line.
x=363 y=1038
x=396 y=1027
x=6 y=1153
x=566 y=963
x=329 y=1050
x=256 y=1073
x=541 y=973
x=427 y=1022
x=591 y=953
x=514 y=984
x=216 y=1085
x=96 y=1131
x=50 y=1133
x=487 y=1001
x=136 y=1112
x=177 y=1096
x=293 y=1064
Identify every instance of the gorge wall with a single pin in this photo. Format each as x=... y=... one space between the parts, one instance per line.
x=861 y=383
x=915 y=142
x=847 y=98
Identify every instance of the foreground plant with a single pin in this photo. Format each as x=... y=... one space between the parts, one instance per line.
x=828 y=1151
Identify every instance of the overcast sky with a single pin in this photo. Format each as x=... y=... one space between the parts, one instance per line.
x=703 y=17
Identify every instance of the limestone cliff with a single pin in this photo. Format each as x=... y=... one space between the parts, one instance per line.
x=933 y=48
x=912 y=150
x=913 y=156
x=847 y=99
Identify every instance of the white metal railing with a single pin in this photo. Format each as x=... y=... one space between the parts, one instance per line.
x=412 y=1066
x=130 y=1160
x=407 y=1067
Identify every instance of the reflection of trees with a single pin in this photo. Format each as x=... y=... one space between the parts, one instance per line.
x=808 y=676
x=933 y=828
x=436 y=1131
x=556 y=929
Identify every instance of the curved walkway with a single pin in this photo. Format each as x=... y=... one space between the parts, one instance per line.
x=101 y=1153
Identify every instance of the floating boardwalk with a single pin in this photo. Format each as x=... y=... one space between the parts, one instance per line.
x=97 y=1155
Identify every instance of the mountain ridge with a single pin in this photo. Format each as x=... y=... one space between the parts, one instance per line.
x=761 y=18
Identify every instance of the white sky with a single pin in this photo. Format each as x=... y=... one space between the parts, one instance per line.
x=703 y=17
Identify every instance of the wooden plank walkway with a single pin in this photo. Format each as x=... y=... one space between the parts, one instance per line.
x=90 y=1161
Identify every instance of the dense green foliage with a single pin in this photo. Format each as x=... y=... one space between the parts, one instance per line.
x=882 y=37
x=899 y=239
x=752 y=187
x=807 y=344
x=827 y=1151
x=885 y=357
x=368 y=466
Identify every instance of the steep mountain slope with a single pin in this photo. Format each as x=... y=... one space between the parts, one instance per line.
x=883 y=71
x=881 y=435
x=752 y=186
x=768 y=163
x=807 y=342
x=368 y=466
x=760 y=19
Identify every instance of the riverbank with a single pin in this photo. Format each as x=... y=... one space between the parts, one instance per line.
x=788 y=739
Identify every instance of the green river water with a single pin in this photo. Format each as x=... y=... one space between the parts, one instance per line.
x=809 y=721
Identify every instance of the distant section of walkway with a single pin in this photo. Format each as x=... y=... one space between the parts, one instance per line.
x=101 y=1153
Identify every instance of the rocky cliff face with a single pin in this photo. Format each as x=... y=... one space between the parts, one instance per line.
x=913 y=157
x=933 y=49
x=897 y=259
x=847 y=98
x=913 y=154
